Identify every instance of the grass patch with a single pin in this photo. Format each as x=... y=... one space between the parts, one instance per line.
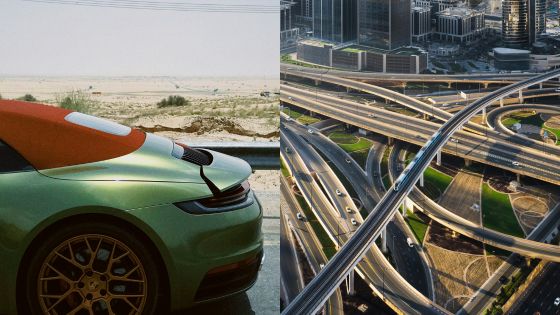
x=343 y=138
x=498 y=213
x=78 y=101
x=304 y=119
x=27 y=98
x=435 y=183
x=173 y=101
x=360 y=157
x=284 y=169
x=419 y=227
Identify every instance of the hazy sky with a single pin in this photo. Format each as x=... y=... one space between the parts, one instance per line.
x=55 y=39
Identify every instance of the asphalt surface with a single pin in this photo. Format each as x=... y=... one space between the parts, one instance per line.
x=263 y=297
x=291 y=274
x=374 y=266
x=543 y=293
x=407 y=259
x=317 y=292
x=493 y=150
x=310 y=245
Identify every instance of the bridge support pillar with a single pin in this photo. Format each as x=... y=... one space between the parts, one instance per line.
x=468 y=162
x=408 y=205
x=502 y=102
x=384 y=240
x=311 y=114
x=486 y=85
x=521 y=96
x=348 y=90
x=483 y=115
x=350 y=284
x=317 y=82
x=422 y=180
x=540 y=86
x=425 y=116
x=519 y=178
x=438 y=158
x=390 y=141
x=449 y=84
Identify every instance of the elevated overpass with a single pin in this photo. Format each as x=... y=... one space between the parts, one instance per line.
x=317 y=292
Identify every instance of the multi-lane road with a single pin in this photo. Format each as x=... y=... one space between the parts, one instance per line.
x=320 y=288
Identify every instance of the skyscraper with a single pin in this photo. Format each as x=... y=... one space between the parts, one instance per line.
x=384 y=24
x=335 y=20
x=522 y=21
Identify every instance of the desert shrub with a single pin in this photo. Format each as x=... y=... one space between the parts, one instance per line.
x=27 y=98
x=76 y=101
x=173 y=101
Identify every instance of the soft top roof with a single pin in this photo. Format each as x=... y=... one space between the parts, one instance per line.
x=47 y=140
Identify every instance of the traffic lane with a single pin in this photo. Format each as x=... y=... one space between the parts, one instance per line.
x=542 y=296
x=289 y=265
x=389 y=120
x=408 y=262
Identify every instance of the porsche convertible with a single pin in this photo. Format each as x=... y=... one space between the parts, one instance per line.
x=100 y=218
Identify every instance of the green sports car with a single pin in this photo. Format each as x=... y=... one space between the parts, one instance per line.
x=99 y=218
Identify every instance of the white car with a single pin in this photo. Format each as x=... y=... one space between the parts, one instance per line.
x=515 y=163
x=557 y=301
x=348 y=160
x=310 y=131
x=299 y=216
x=321 y=266
x=353 y=221
x=372 y=115
x=348 y=209
x=338 y=193
x=290 y=98
x=409 y=242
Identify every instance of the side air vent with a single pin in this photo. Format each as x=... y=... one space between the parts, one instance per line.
x=195 y=156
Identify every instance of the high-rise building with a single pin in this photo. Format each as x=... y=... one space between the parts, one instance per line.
x=523 y=21
x=384 y=24
x=421 y=23
x=335 y=20
x=460 y=24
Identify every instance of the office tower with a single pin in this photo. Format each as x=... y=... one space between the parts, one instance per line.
x=335 y=20
x=384 y=24
x=523 y=21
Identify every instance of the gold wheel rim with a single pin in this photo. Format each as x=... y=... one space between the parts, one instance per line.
x=92 y=274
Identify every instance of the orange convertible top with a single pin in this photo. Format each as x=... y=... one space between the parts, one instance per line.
x=47 y=140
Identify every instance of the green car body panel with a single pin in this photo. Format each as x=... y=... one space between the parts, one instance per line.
x=139 y=190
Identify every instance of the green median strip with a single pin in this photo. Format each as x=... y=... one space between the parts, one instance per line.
x=419 y=227
x=435 y=183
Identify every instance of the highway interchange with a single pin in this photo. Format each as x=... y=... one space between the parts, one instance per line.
x=407 y=287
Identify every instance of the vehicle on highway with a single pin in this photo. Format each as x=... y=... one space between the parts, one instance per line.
x=353 y=221
x=299 y=216
x=372 y=115
x=454 y=140
x=338 y=193
x=348 y=209
x=503 y=280
x=310 y=131
x=557 y=301
x=290 y=98
x=100 y=218
x=409 y=242
x=515 y=163
x=348 y=160
x=321 y=266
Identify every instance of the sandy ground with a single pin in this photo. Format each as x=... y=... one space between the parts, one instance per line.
x=456 y=276
x=221 y=109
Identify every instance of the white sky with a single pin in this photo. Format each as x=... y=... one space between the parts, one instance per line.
x=53 y=39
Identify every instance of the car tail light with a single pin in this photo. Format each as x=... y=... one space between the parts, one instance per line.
x=234 y=198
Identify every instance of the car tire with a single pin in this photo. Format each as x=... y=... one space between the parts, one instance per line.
x=93 y=282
